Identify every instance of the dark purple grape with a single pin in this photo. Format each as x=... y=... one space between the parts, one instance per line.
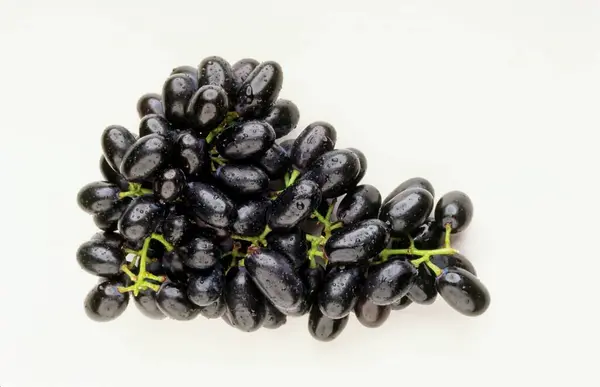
x=150 y=103
x=260 y=90
x=283 y=117
x=316 y=139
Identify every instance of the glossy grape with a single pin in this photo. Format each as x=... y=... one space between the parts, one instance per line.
x=387 y=282
x=116 y=141
x=323 y=328
x=293 y=205
x=146 y=157
x=111 y=239
x=242 y=179
x=145 y=301
x=357 y=243
x=207 y=108
x=186 y=70
x=360 y=203
x=251 y=217
x=407 y=210
x=205 y=288
x=150 y=103
x=453 y=260
x=108 y=220
x=428 y=236
x=200 y=253
x=215 y=310
x=242 y=69
x=369 y=314
x=273 y=317
x=154 y=124
x=210 y=204
x=275 y=275
x=463 y=291
x=97 y=197
x=245 y=302
x=334 y=171
x=100 y=258
x=363 y=165
x=415 y=182
x=313 y=281
x=315 y=140
x=104 y=302
x=283 y=116
x=456 y=209
x=177 y=92
x=245 y=140
x=260 y=90
x=216 y=71
x=169 y=184
x=191 y=155
x=423 y=291
x=291 y=243
x=339 y=291
x=275 y=162
x=172 y=300
x=141 y=218
x=112 y=176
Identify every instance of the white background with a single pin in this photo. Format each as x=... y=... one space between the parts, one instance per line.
x=497 y=98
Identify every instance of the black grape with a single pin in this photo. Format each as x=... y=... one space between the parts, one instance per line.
x=453 y=260
x=245 y=303
x=177 y=92
x=116 y=141
x=275 y=162
x=169 y=184
x=456 y=209
x=141 y=218
x=293 y=205
x=323 y=328
x=251 y=218
x=146 y=157
x=100 y=258
x=172 y=301
x=191 y=155
x=111 y=175
x=210 y=204
x=274 y=274
x=387 y=282
x=186 y=70
x=463 y=291
x=108 y=220
x=335 y=172
x=104 y=302
x=357 y=243
x=291 y=243
x=216 y=71
x=200 y=253
x=369 y=314
x=283 y=117
x=273 y=317
x=415 y=182
x=207 y=108
x=172 y=265
x=407 y=210
x=316 y=139
x=428 y=236
x=360 y=203
x=150 y=103
x=145 y=301
x=154 y=124
x=245 y=140
x=260 y=90
x=205 y=288
x=423 y=291
x=111 y=239
x=215 y=310
x=339 y=291
x=242 y=179
x=363 y=165
x=97 y=197
x=242 y=69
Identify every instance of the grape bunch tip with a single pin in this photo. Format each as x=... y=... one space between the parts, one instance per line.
x=206 y=210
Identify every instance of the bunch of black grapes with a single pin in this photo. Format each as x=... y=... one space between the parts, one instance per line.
x=204 y=212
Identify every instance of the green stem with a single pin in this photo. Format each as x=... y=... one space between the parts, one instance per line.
x=141 y=282
x=412 y=251
x=292 y=179
x=231 y=116
x=256 y=241
x=161 y=239
x=447 y=237
x=219 y=160
x=436 y=270
x=134 y=190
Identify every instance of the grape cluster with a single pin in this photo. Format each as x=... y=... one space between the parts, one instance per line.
x=206 y=211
